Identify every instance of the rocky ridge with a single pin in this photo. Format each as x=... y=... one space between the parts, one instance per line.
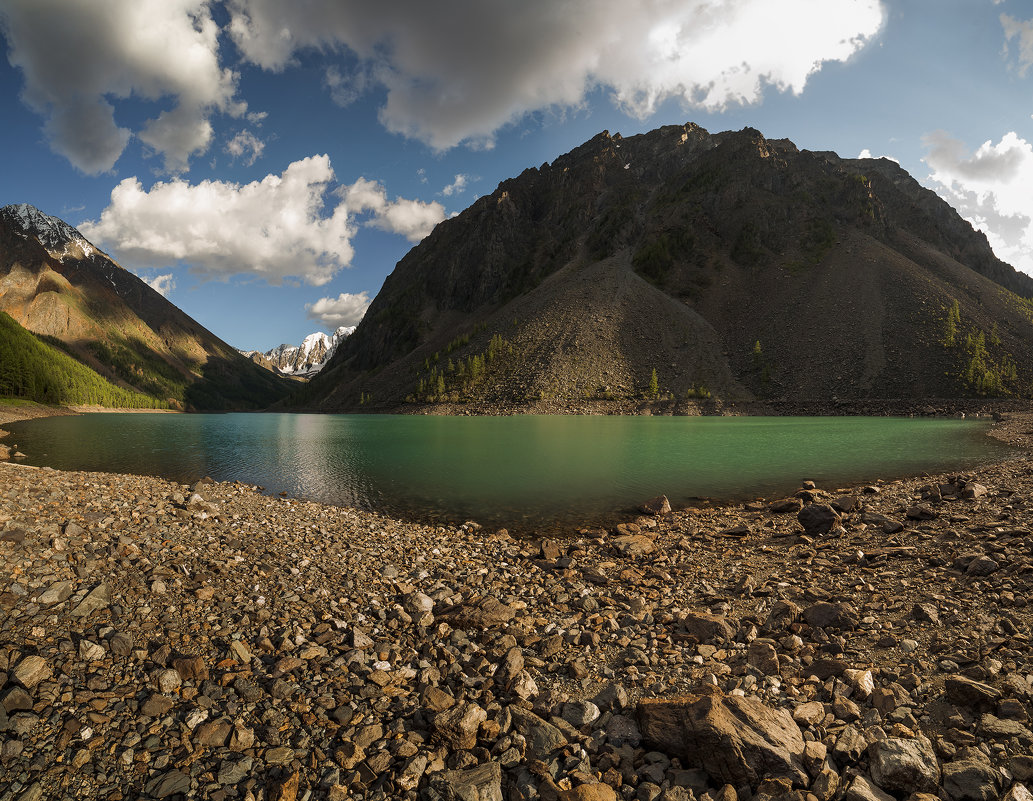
x=858 y=644
x=685 y=265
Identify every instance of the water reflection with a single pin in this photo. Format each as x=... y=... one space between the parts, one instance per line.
x=516 y=471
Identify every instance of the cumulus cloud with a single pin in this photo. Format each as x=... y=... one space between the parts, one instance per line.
x=77 y=57
x=162 y=284
x=1023 y=33
x=413 y=219
x=344 y=310
x=867 y=154
x=245 y=146
x=458 y=75
x=457 y=187
x=298 y=224
x=275 y=228
x=990 y=188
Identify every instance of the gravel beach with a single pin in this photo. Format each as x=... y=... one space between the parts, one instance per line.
x=858 y=643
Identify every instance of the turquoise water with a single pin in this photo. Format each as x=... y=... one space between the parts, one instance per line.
x=521 y=471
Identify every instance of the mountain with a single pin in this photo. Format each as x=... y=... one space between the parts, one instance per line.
x=57 y=284
x=302 y=360
x=681 y=265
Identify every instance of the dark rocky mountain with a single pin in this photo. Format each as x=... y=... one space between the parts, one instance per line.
x=681 y=265
x=56 y=283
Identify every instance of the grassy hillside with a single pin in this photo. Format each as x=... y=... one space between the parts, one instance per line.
x=35 y=370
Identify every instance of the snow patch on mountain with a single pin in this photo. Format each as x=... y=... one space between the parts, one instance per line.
x=60 y=240
x=305 y=359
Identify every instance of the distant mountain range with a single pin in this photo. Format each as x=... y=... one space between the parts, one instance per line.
x=680 y=266
x=304 y=360
x=57 y=285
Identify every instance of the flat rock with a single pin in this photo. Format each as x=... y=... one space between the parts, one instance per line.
x=485 y=612
x=830 y=615
x=31 y=670
x=482 y=783
x=738 y=740
x=99 y=598
x=706 y=627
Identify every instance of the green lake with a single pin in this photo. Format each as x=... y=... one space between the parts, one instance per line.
x=522 y=471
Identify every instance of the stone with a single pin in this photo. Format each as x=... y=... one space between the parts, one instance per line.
x=285 y=789
x=706 y=627
x=602 y=792
x=971 y=694
x=482 y=783
x=458 y=725
x=486 y=612
x=98 y=598
x=863 y=789
x=763 y=656
x=56 y=593
x=971 y=779
x=904 y=766
x=542 y=737
x=810 y=713
x=782 y=615
x=634 y=544
x=31 y=670
x=173 y=782
x=786 y=506
x=656 y=506
x=826 y=615
x=91 y=651
x=995 y=728
x=1018 y=792
x=738 y=740
x=233 y=771
x=818 y=518
x=982 y=566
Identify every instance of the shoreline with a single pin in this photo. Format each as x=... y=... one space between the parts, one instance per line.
x=213 y=642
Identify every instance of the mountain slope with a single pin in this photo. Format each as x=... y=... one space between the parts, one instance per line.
x=729 y=265
x=54 y=282
x=36 y=370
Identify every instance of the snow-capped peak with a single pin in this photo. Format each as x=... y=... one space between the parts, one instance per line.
x=308 y=358
x=59 y=238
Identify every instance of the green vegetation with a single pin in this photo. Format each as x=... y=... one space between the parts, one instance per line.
x=460 y=378
x=697 y=392
x=654 y=259
x=986 y=371
x=35 y=370
x=950 y=335
x=654 y=385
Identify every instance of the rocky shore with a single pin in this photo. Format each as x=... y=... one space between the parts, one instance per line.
x=864 y=643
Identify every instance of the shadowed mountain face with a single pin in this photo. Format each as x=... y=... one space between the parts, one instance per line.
x=54 y=282
x=726 y=265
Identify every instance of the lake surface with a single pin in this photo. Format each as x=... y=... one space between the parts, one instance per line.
x=521 y=471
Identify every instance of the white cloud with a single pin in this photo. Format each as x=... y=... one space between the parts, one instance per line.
x=77 y=57
x=344 y=310
x=162 y=284
x=413 y=219
x=284 y=226
x=245 y=146
x=867 y=154
x=457 y=71
x=275 y=228
x=990 y=188
x=457 y=186
x=1023 y=32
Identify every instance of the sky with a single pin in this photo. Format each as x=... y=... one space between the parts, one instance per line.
x=265 y=164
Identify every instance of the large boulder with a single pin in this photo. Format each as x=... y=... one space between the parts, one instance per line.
x=736 y=740
x=818 y=518
x=905 y=766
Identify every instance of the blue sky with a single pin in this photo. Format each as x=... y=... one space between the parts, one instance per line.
x=266 y=164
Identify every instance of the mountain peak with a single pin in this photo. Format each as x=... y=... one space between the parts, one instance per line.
x=58 y=238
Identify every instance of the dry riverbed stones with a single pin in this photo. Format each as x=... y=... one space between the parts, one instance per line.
x=163 y=641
